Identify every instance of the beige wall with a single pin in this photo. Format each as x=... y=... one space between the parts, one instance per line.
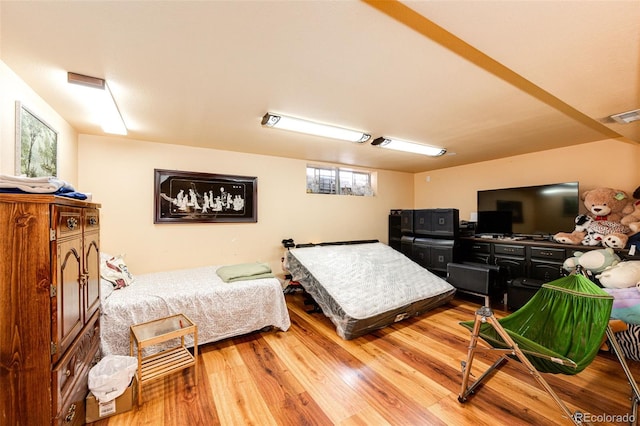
x=609 y=163
x=119 y=174
x=13 y=89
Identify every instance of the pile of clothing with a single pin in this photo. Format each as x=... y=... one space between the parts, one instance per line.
x=39 y=185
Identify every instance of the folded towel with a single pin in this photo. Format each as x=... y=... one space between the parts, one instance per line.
x=62 y=192
x=244 y=271
x=39 y=185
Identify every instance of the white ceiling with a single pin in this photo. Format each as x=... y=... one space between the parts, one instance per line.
x=484 y=79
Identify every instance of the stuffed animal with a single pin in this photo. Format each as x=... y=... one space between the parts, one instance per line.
x=606 y=233
x=594 y=261
x=632 y=220
x=606 y=206
x=579 y=234
x=621 y=275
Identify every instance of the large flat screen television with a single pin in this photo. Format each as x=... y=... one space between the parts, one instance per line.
x=535 y=210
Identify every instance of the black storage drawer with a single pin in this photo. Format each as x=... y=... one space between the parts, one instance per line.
x=422 y=222
x=508 y=249
x=545 y=270
x=421 y=255
x=477 y=247
x=406 y=224
x=548 y=253
x=440 y=257
x=436 y=222
x=406 y=246
x=433 y=254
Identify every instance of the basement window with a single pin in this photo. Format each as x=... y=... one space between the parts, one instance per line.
x=334 y=180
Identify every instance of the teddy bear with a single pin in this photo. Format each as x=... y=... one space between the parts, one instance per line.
x=606 y=206
x=632 y=220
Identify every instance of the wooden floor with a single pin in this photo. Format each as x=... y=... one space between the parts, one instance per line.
x=405 y=374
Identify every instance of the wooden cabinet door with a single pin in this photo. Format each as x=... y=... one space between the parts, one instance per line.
x=67 y=316
x=91 y=274
x=91 y=261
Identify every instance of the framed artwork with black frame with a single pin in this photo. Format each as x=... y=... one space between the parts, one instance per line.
x=188 y=197
x=36 y=145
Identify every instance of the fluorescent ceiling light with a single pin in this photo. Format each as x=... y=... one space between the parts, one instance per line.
x=97 y=97
x=283 y=122
x=405 y=146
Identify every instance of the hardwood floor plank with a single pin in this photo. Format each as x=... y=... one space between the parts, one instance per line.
x=238 y=399
x=378 y=392
x=406 y=374
x=367 y=417
x=322 y=381
x=287 y=399
x=188 y=404
x=423 y=390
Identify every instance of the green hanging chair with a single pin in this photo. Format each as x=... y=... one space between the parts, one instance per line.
x=560 y=329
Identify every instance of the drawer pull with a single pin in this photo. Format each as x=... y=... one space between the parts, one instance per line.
x=70 y=414
x=67 y=373
x=93 y=221
x=72 y=223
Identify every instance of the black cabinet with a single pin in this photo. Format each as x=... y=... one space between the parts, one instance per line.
x=440 y=223
x=406 y=224
x=395 y=233
x=478 y=252
x=545 y=263
x=511 y=258
x=434 y=254
x=406 y=245
x=437 y=223
x=429 y=237
x=525 y=264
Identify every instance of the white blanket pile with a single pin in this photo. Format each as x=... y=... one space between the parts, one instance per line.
x=38 y=185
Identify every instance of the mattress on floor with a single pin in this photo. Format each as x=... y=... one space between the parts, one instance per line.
x=364 y=287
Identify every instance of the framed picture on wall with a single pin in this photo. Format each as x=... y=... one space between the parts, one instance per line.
x=183 y=197
x=36 y=145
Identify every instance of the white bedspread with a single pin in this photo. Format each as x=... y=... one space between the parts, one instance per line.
x=220 y=310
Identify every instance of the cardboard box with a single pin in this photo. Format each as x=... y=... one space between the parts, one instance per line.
x=98 y=411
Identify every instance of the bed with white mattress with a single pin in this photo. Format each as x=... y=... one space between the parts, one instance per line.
x=219 y=309
x=362 y=287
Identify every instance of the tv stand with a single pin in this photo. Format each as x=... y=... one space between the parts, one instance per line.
x=525 y=259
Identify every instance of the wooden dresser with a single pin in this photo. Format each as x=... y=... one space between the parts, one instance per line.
x=49 y=307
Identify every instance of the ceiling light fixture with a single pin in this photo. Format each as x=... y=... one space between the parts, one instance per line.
x=95 y=94
x=405 y=146
x=278 y=121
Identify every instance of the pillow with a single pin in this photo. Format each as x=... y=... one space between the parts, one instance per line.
x=106 y=288
x=115 y=270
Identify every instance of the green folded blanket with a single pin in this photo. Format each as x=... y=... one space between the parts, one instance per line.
x=244 y=271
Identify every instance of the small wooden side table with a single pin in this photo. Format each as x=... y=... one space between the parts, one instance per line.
x=167 y=361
